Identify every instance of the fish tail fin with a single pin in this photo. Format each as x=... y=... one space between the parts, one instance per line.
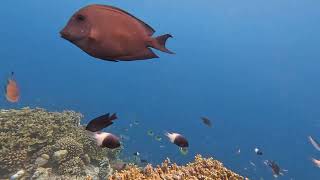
x=166 y=133
x=113 y=116
x=160 y=43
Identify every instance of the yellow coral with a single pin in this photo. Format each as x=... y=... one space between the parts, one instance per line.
x=201 y=168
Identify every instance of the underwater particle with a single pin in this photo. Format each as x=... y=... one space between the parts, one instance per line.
x=12 y=91
x=158 y=138
x=206 y=121
x=316 y=162
x=150 y=133
x=136 y=153
x=107 y=140
x=177 y=139
x=238 y=151
x=254 y=165
x=183 y=150
x=112 y=34
x=258 y=151
x=101 y=122
x=161 y=146
x=124 y=137
x=314 y=143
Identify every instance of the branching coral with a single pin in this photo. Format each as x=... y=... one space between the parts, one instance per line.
x=200 y=169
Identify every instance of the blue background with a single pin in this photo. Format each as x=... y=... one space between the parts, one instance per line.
x=252 y=67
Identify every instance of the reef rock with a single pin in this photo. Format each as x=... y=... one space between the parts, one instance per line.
x=60 y=155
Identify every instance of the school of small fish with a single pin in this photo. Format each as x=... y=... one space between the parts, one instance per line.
x=112 y=34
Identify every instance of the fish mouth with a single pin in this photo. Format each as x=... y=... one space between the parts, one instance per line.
x=64 y=34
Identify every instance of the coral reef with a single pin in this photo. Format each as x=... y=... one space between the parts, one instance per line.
x=37 y=144
x=201 y=168
x=49 y=144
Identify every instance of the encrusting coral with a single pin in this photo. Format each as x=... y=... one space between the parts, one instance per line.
x=200 y=169
x=30 y=138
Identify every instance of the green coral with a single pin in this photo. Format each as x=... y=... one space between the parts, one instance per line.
x=26 y=134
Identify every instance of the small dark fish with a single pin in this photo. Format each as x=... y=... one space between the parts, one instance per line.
x=150 y=133
x=177 y=139
x=314 y=143
x=158 y=138
x=258 y=151
x=143 y=161
x=101 y=122
x=136 y=154
x=112 y=34
x=124 y=137
x=275 y=168
x=238 y=151
x=206 y=121
x=107 y=140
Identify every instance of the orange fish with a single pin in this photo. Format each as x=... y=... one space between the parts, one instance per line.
x=12 y=90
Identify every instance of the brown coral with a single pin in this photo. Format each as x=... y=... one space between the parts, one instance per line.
x=10 y=161
x=74 y=148
x=200 y=169
x=74 y=166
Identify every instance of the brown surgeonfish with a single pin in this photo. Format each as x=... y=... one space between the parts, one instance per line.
x=12 y=92
x=177 y=139
x=101 y=122
x=108 y=140
x=112 y=34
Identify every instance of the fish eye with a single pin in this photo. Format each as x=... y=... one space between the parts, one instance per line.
x=80 y=17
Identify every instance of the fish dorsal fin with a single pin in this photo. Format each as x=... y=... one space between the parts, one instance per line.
x=150 y=29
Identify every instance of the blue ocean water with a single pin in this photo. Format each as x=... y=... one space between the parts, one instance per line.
x=252 y=67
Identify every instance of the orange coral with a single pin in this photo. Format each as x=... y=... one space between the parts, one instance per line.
x=200 y=169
